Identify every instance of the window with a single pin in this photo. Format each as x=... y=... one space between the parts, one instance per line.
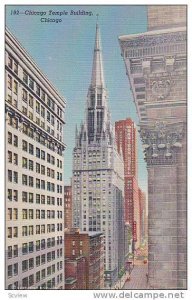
x=9 y=252
x=24 y=265
x=24 y=162
x=37 y=107
x=15 y=177
x=15 y=250
x=9 y=194
x=31 y=280
x=15 y=214
x=10 y=62
x=9 y=83
x=37 y=168
x=31 y=214
x=38 y=152
x=42 y=111
x=37 y=89
x=30 y=101
x=48 y=158
x=24 y=95
x=43 y=274
x=37 y=229
x=24 y=248
x=9 y=214
x=31 y=151
x=24 y=231
x=38 y=261
x=15 y=67
x=37 y=198
x=15 y=140
x=24 y=196
x=25 y=128
x=15 y=231
x=48 y=116
x=31 y=165
x=31 y=83
x=15 y=269
x=15 y=87
x=42 y=154
x=9 y=232
x=31 y=247
x=24 y=179
x=31 y=230
x=37 y=183
x=10 y=271
x=9 y=175
x=15 y=159
x=25 y=283
x=43 y=170
x=24 y=214
x=38 y=213
x=42 y=199
x=9 y=99
x=25 y=77
x=9 y=156
x=9 y=138
x=15 y=195
x=24 y=145
x=42 y=214
x=31 y=263
x=38 y=245
x=31 y=181
x=30 y=197
x=43 y=95
x=38 y=276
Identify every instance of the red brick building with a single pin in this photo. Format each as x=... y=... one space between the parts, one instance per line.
x=75 y=273
x=125 y=132
x=89 y=272
x=68 y=206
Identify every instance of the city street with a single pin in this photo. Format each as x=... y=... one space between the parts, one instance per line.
x=138 y=278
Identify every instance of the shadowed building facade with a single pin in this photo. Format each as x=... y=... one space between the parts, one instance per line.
x=156 y=66
x=98 y=173
x=34 y=169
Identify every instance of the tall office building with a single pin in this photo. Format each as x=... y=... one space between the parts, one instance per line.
x=34 y=168
x=98 y=173
x=125 y=132
x=68 y=206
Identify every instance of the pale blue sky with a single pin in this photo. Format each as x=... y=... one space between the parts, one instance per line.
x=64 y=53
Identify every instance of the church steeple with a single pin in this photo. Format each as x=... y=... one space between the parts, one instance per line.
x=97 y=79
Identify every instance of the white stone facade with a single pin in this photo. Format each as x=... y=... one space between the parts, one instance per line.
x=34 y=174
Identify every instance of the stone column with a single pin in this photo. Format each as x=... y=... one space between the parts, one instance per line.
x=165 y=153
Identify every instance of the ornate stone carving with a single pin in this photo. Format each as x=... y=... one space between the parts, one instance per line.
x=161 y=141
x=153 y=40
x=161 y=88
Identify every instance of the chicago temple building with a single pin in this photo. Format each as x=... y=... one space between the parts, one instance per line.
x=98 y=173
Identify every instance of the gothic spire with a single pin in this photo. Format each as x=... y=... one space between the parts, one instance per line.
x=97 y=79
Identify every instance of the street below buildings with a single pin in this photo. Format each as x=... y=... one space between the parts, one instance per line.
x=138 y=278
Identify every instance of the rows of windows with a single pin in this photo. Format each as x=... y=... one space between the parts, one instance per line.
x=28 y=147
x=13 y=121
x=29 y=281
x=40 y=214
x=29 y=197
x=34 y=86
x=31 y=229
x=41 y=245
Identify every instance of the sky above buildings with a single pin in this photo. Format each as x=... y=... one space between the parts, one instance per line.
x=64 y=53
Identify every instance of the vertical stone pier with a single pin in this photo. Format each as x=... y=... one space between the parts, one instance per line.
x=156 y=66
